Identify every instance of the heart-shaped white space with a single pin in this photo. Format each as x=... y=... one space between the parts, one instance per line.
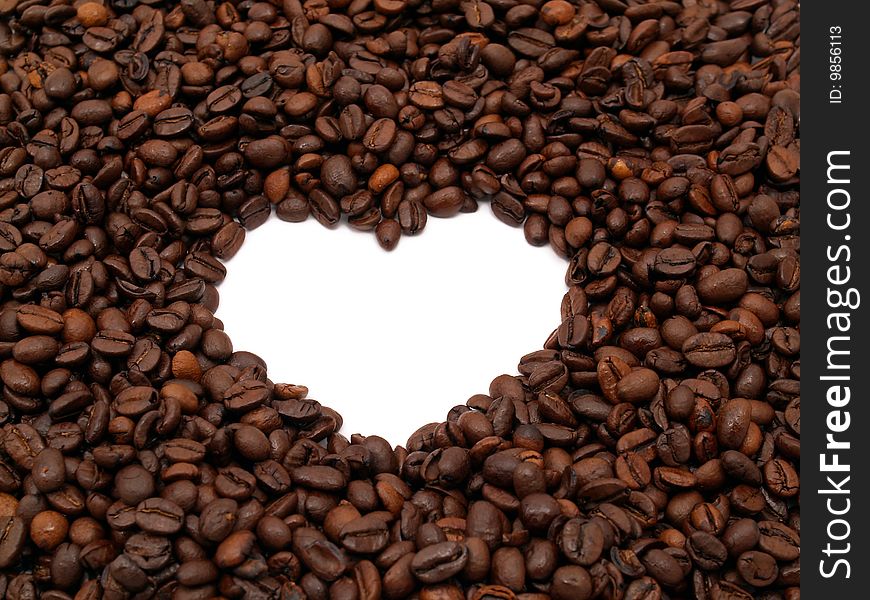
x=391 y=340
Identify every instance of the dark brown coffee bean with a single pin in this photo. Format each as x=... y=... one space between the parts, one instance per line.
x=426 y=95
x=439 y=562
x=709 y=350
x=49 y=470
x=173 y=121
x=725 y=286
x=706 y=551
x=582 y=542
x=572 y=582
x=530 y=42
x=159 y=516
x=365 y=535
x=445 y=202
x=13 y=536
x=217 y=519
x=380 y=135
x=223 y=99
x=412 y=216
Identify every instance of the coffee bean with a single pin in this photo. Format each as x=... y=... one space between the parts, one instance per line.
x=706 y=551
x=426 y=95
x=337 y=175
x=365 y=535
x=530 y=42
x=380 y=135
x=781 y=477
x=778 y=540
x=218 y=519
x=49 y=471
x=13 y=536
x=134 y=484
x=709 y=350
x=572 y=582
x=223 y=99
x=582 y=542
x=674 y=262
x=445 y=202
x=321 y=556
x=412 y=216
x=726 y=286
x=173 y=121
x=159 y=516
x=38 y=320
x=388 y=232
x=439 y=562
x=268 y=152
x=48 y=529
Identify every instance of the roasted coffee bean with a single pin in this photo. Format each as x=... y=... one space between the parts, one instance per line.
x=412 y=216
x=709 y=350
x=365 y=535
x=445 y=202
x=223 y=99
x=571 y=582
x=159 y=516
x=173 y=121
x=439 y=562
x=49 y=470
x=217 y=519
x=13 y=537
x=380 y=135
x=581 y=542
x=706 y=551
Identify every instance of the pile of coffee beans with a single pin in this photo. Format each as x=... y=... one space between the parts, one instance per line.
x=649 y=451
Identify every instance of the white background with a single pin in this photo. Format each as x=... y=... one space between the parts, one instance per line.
x=391 y=340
